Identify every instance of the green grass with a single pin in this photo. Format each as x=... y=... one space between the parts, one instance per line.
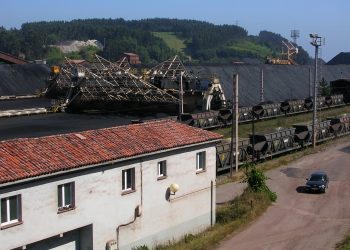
x=344 y=244
x=286 y=122
x=171 y=40
x=248 y=46
x=231 y=217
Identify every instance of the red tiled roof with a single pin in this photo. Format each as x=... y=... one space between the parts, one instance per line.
x=30 y=157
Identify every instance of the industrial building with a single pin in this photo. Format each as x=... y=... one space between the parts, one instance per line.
x=114 y=188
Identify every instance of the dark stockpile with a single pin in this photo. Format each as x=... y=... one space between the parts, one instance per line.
x=281 y=82
x=25 y=79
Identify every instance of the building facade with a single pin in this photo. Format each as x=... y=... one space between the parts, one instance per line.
x=108 y=188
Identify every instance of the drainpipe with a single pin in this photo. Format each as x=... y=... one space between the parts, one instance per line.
x=211 y=202
x=137 y=211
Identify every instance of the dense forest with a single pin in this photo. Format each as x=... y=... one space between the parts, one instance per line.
x=153 y=39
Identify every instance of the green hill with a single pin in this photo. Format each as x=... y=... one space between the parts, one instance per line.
x=155 y=40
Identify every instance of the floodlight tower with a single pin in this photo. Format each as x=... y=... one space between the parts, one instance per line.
x=295 y=34
x=316 y=42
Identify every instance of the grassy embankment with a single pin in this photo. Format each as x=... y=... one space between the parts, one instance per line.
x=285 y=122
x=230 y=218
x=177 y=44
x=248 y=46
x=344 y=244
x=171 y=40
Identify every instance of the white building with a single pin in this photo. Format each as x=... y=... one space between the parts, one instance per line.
x=107 y=188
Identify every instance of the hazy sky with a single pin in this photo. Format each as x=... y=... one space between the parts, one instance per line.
x=327 y=18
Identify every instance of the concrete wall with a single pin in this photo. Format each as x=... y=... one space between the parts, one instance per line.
x=100 y=203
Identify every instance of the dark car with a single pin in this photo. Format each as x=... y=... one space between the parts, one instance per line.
x=318 y=181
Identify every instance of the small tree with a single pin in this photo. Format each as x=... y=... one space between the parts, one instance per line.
x=325 y=89
x=256 y=180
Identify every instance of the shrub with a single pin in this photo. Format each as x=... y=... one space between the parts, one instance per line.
x=256 y=180
x=143 y=247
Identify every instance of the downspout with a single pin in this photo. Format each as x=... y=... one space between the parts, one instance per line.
x=211 y=202
x=137 y=211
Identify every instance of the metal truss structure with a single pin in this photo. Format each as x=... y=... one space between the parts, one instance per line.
x=103 y=80
x=170 y=69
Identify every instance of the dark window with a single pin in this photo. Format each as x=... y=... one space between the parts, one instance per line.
x=200 y=161
x=128 y=181
x=10 y=210
x=66 y=196
x=162 y=169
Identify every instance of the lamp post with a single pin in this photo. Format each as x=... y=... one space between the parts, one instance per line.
x=316 y=42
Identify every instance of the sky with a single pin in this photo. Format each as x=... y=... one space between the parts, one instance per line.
x=329 y=19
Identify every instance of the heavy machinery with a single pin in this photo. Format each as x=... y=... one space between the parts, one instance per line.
x=286 y=57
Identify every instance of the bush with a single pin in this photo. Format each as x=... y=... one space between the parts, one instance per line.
x=256 y=180
x=143 y=247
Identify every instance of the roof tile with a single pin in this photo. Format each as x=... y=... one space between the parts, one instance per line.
x=30 y=157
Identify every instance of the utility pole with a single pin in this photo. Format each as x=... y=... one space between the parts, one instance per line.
x=181 y=97
x=316 y=42
x=234 y=127
x=262 y=85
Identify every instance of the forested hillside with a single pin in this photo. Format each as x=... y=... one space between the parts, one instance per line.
x=153 y=39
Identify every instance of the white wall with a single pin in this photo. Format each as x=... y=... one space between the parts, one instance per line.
x=99 y=202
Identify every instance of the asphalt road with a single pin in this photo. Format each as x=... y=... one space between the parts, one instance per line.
x=300 y=220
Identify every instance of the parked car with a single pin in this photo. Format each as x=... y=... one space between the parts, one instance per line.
x=318 y=181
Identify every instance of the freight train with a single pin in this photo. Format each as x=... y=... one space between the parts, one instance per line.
x=260 y=146
x=223 y=117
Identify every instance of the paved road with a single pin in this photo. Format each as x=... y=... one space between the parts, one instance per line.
x=300 y=220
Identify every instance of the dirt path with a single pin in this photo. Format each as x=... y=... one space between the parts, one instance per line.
x=300 y=220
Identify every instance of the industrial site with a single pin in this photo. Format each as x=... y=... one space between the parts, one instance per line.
x=104 y=148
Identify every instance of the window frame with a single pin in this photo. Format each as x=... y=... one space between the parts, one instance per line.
x=161 y=170
x=126 y=188
x=18 y=219
x=61 y=204
x=201 y=162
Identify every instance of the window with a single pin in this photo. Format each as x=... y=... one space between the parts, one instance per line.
x=200 y=161
x=10 y=210
x=66 y=196
x=161 y=169
x=128 y=182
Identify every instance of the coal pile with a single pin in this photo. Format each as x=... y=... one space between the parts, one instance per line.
x=26 y=79
x=281 y=82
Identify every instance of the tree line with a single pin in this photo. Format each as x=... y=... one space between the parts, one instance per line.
x=205 y=42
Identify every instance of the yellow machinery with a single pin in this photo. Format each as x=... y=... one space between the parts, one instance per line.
x=286 y=56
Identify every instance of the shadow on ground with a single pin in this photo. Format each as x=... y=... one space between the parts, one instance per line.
x=301 y=189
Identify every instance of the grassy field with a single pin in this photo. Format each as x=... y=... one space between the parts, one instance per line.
x=171 y=40
x=248 y=46
x=285 y=122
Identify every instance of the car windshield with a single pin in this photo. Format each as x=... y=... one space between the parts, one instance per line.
x=317 y=177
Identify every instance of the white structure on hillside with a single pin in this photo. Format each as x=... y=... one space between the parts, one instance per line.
x=76 y=45
x=107 y=188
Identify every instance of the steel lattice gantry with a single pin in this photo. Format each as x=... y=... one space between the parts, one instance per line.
x=103 y=80
x=170 y=69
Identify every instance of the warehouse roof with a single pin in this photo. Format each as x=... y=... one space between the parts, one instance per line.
x=10 y=59
x=31 y=157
